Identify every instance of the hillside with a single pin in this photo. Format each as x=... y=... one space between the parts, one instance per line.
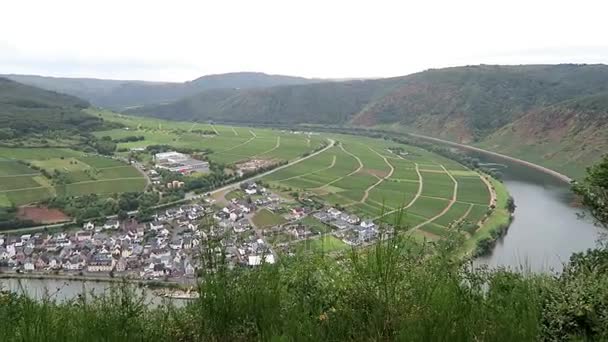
x=464 y=104
x=321 y=103
x=25 y=109
x=563 y=136
x=117 y=94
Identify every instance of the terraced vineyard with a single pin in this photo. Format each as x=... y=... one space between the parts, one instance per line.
x=83 y=174
x=365 y=176
x=229 y=144
x=373 y=178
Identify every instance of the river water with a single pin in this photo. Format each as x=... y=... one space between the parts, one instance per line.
x=547 y=228
x=61 y=290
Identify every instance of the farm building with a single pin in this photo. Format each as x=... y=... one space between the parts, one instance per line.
x=179 y=162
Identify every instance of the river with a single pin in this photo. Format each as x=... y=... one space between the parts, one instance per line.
x=547 y=228
x=61 y=290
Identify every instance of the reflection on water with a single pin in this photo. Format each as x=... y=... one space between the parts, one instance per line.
x=547 y=228
x=61 y=290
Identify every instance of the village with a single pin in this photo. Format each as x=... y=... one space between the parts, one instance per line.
x=170 y=246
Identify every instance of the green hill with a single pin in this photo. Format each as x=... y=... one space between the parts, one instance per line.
x=117 y=94
x=25 y=109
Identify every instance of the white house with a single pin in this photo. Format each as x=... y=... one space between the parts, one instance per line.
x=156 y=225
x=368 y=224
x=28 y=265
x=111 y=224
x=88 y=226
x=256 y=260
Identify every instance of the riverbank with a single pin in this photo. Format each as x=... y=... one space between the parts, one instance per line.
x=495 y=225
x=97 y=279
x=543 y=169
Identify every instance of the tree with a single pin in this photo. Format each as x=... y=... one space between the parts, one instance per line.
x=593 y=191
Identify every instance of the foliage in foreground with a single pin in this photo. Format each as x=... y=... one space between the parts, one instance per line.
x=392 y=291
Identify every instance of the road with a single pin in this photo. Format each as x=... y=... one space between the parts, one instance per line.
x=189 y=196
x=299 y=160
x=548 y=171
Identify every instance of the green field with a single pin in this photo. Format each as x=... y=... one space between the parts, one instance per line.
x=325 y=244
x=85 y=174
x=266 y=218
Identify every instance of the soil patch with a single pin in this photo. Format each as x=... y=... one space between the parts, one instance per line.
x=42 y=215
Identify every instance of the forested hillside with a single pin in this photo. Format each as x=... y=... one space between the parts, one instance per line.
x=25 y=109
x=563 y=136
x=321 y=103
x=116 y=94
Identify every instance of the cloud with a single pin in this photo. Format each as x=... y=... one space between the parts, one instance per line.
x=182 y=40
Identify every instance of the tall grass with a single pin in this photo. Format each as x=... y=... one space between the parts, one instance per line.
x=393 y=290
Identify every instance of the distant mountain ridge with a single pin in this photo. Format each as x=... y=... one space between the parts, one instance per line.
x=121 y=94
x=554 y=115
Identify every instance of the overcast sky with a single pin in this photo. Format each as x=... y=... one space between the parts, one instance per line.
x=181 y=40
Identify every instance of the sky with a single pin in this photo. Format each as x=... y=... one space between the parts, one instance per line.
x=182 y=40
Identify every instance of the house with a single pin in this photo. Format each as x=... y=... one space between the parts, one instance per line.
x=334 y=213
x=41 y=263
x=28 y=265
x=121 y=265
x=156 y=225
x=84 y=236
x=367 y=224
x=233 y=217
x=3 y=253
x=72 y=265
x=189 y=270
x=88 y=226
x=100 y=264
x=111 y=224
x=257 y=260
x=251 y=191
x=341 y=224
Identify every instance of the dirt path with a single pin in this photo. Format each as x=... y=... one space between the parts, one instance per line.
x=463 y=217
x=215 y=130
x=332 y=164
x=277 y=145
x=418 y=194
x=447 y=208
x=380 y=180
x=490 y=189
x=22 y=175
x=239 y=145
x=350 y=174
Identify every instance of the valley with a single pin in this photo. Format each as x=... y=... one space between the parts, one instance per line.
x=425 y=194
